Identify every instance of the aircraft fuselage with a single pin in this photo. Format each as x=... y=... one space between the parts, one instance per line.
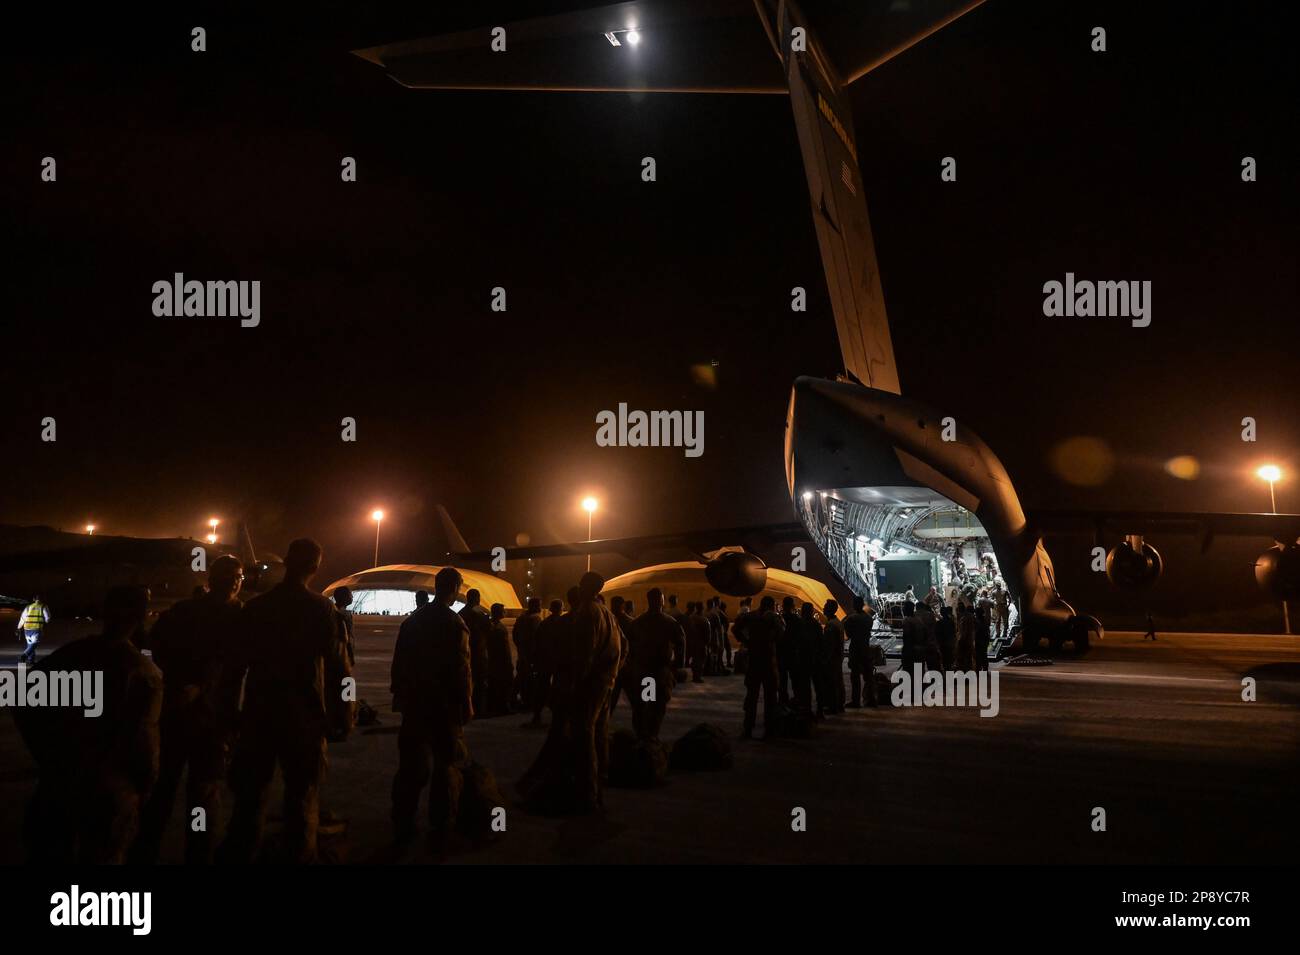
x=894 y=463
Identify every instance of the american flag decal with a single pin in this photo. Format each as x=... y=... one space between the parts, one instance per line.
x=847 y=175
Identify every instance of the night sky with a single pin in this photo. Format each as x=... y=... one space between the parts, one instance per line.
x=375 y=294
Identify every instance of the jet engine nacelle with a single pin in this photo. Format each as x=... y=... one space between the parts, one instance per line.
x=736 y=574
x=1132 y=569
x=1278 y=571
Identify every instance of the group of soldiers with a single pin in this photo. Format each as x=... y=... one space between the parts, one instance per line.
x=944 y=637
x=794 y=658
x=230 y=691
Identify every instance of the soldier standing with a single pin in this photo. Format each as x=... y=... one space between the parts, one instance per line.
x=292 y=647
x=95 y=772
x=760 y=636
x=196 y=645
x=432 y=688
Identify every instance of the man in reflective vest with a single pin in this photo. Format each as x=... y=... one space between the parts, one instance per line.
x=32 y=622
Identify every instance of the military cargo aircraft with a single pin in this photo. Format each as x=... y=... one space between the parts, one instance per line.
x=878 y=480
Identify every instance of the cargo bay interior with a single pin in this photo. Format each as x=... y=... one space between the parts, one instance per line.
x=883 y=542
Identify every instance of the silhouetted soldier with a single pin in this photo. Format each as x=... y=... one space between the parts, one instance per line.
x=718 y=627
x=983 y=634
x=787 y=651
x=618 y=607
x=810 y=675
x=95 y=772
x=673 y=610
x=588 y=673
x=965 y=637
x=195 y=643
x=833 y=658
x=1003 y=602
x=654 y=637
x=432 y=686
x=697 y=640
x=292 y=646
x=945 y=632
x=760 y=633
x=1151 y=629
x=912 y=631
x=858 y=626
x=548 y=639
x=421 y=599
x=575 y=756
x=501 y=672
x=342 y=601
x=479 y=629
x=927 y=651
x=524 y=635
x=725 y=630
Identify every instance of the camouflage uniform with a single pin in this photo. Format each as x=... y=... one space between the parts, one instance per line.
x=480 y=631
x=94 y=773
x=195 y=644
x=294 y=649
x=858 y=627
x=653 y=638
x=432 y=689
x=761 y=632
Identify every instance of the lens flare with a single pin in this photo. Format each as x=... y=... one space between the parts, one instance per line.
x=1083 y=461
x=1184 y=467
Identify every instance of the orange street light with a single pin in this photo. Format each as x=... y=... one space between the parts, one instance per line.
x=589 y=504
x=90 y=528
x=377 y=516
x=1271 y=473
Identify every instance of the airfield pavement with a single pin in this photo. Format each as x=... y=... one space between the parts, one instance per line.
x=1156 y=734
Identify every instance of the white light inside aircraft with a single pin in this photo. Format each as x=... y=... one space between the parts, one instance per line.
x=633 y=38
x=613 y=39
x=807 y=495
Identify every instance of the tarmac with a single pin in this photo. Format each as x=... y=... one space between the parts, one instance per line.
x=1155 y=734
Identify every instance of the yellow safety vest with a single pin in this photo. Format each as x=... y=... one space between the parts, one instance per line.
x=34 y=617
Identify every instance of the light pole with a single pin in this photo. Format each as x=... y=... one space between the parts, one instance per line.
x=1271 y=473
x=212 y=534
x=90 y=529
x=589 y=505
x=377 y=516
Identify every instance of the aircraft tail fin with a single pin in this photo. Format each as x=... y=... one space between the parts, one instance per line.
x=446 y=536
x=824 y=124
x=244 y=546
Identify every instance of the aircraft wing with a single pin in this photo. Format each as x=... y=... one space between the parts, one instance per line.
x=811 y=50
x=1283 y=528
x=683 y=46
x=752 y=538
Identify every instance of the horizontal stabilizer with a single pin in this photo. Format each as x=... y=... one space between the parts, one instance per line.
x=678 y=46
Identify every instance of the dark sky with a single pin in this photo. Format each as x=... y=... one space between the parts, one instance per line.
x=375 y=295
